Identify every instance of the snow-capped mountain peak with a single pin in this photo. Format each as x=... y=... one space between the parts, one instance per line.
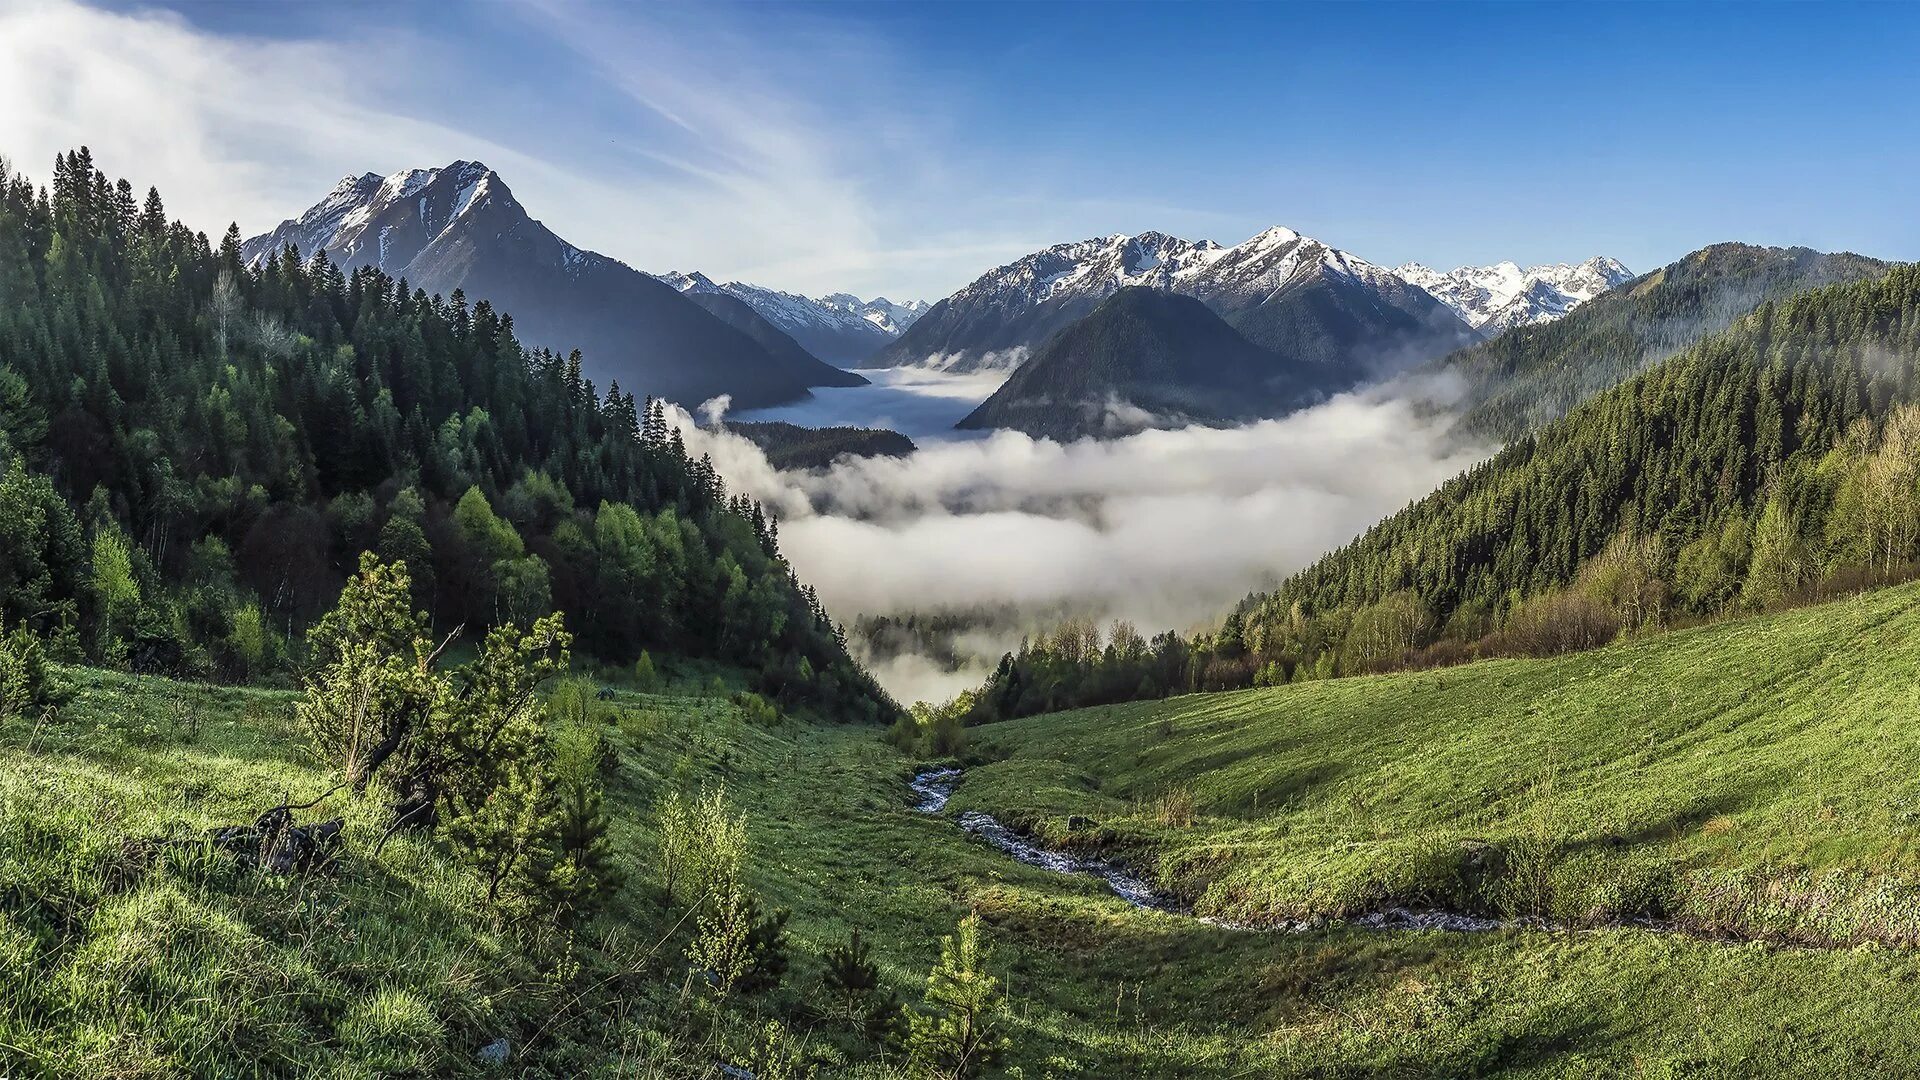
x=1495 y=298
x=342 y=224
x=1101 y=266
x=459 y=228
x=1272 y=236
x=996 y=320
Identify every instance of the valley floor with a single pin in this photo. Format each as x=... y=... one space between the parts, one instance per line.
x=1751 y=779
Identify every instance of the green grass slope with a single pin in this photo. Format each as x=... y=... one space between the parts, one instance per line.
x=114 y=962
x=1752 y=778
x=1775 y=785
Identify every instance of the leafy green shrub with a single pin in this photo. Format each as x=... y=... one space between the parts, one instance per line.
x=904 y=734
x=756 y=710
x=703 y=843
x=777 y=1055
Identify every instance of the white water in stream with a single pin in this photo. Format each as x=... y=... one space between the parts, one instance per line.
x=933 y=789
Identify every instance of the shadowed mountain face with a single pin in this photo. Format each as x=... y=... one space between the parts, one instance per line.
x=1148 y=358
x=460 y=227
x=779 y=344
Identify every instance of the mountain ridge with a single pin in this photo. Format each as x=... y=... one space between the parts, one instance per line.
x=1284 y=291
x=1499 y=297
x=1145 y=358
x=1531 y=375
x=460 y=227
x=840 y=328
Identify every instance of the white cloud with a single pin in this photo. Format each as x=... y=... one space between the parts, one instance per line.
x=798 y=156
x=1165 y=528
x=230 y=129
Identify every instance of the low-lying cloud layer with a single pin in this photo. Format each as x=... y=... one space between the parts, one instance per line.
x=1164 y=528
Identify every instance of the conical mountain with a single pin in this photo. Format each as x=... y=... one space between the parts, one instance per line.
x=1146 y=358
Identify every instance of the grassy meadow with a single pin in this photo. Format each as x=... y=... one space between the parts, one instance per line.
x=1749 y=780
x=1752 y=778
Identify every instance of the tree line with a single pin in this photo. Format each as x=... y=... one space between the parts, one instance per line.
x=194 y=452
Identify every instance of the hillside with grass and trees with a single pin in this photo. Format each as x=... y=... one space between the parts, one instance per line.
x=1770 y=465
x=379 y=697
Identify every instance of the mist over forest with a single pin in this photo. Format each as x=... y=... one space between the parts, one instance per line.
x=1008 y=536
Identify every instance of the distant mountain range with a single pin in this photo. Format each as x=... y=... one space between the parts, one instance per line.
x=459 y=227
x=1496 y=298
x=1285 y=292
x=840 y=329
x=1148 y=358
x=1288 y=319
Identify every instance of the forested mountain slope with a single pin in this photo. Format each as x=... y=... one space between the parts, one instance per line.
x=1531 y=374
x=194 y=452
x=1772 y=464
x=1737 y=472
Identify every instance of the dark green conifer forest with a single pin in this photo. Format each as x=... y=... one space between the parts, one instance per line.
x=193 y=453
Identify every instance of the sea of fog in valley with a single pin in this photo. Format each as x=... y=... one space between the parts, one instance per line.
x=920 y=403
x=1166 y=529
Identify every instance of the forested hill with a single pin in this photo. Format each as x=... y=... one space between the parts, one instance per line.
x=194 y=453
x=1776 y=462
x=1531 y=375
x=1748 y=467
x=790 y=446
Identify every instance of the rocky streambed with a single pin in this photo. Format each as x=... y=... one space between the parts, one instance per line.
x=932 y=790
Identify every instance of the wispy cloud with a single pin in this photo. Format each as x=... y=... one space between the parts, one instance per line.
x=800 y=155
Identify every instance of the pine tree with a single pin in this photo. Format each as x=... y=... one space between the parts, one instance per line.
x=372 y=685
x=853 y=979
x=959 y=1029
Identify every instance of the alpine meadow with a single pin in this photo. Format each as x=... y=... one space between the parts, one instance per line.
x=807 y=541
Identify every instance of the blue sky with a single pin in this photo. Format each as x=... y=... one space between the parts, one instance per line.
x=904 y=148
